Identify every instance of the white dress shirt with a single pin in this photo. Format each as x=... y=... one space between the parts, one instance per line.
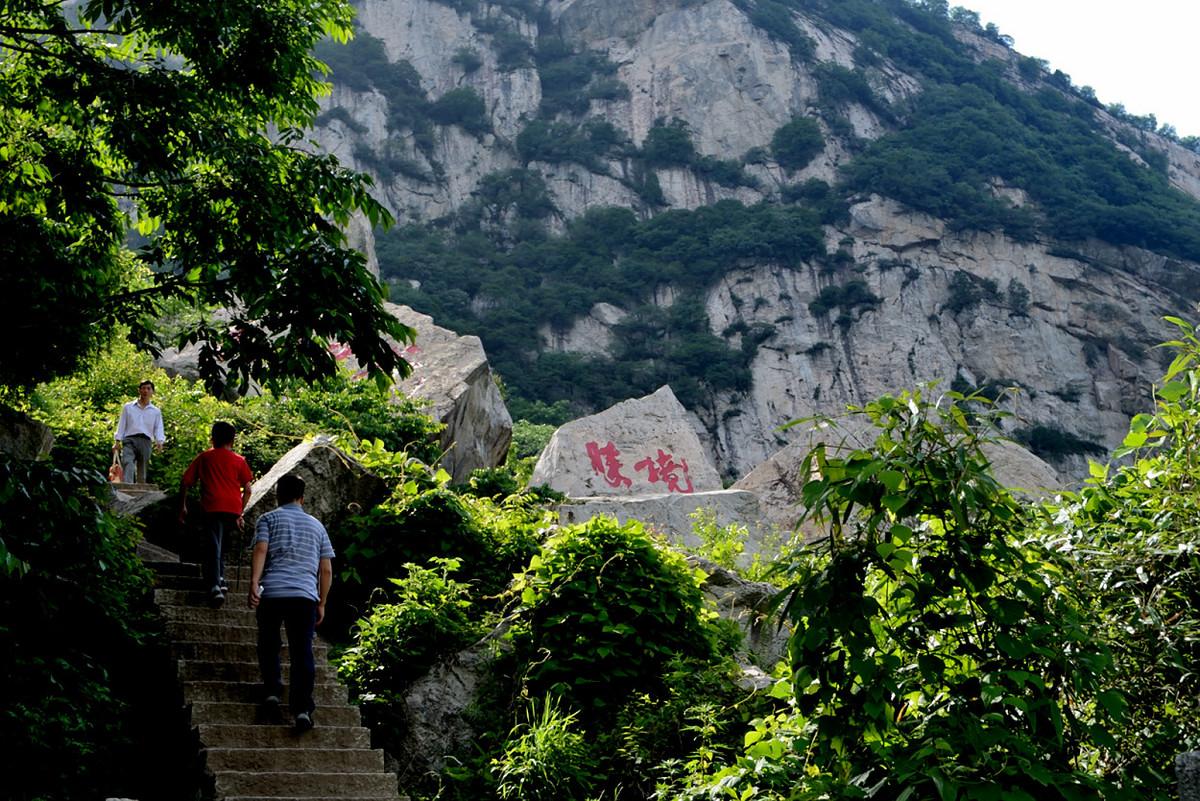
x=138 y=419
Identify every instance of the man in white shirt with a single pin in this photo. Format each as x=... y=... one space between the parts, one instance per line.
x=140 y=425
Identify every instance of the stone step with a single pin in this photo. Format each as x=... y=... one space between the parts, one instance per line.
x=214 y=632
x=196 y=583
x=300 y=759
x=243 y=672
x=163 y=567
x=175 y=597
x=306 y=785
x=222 y=631
x=233 y=651
x=229 y=615
x=313 y=798
x=133 y=488
x=247 y=713
x=327 y=694
x=252 y=735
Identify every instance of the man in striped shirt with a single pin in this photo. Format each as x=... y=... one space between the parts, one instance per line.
x=290 y=574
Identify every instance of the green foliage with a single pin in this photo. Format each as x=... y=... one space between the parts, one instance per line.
x=937 y=651
x=608 y=607
x=968 y=290
x=1133 y=532
x=570 y=80
x=962 y=137
x=468 y=59
x=529 y=438
x=798 y=142
x=721 y=544
x=564 y=142
x=776 y=19
x=362 y=65
x=1018 y=298
x=546 y=757
x=423 y=617
x=74 y=623
x=839 y=85
x=97 y=108
x=82 y=410
x=504 y=295
x=847 y=297
x=669 y=145
x=424 y=519
x=462 y=107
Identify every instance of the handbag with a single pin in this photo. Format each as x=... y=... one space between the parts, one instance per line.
x=115 y=474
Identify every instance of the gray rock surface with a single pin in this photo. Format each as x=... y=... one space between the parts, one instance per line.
x=22 y=437
x=452 y=373
x=645 y=446
x=337 y=487
x=669 y=514
x=1187 y=772
x=436 y=728
x=747 y=603
x=777 y=482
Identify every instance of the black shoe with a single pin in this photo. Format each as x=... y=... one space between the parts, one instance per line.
x=216 y=597
x=270 y=709
x=304 y=722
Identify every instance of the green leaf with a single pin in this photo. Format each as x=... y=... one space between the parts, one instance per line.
x=1173 y=391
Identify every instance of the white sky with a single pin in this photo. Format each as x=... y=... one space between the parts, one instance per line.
x=1143 y=54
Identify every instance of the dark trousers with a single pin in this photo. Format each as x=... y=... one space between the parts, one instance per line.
x=216 y=526
x=299 y=617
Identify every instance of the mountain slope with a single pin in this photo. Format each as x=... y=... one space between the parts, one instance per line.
x=778 y=206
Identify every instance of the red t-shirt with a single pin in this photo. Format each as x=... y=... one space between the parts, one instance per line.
x=222 y=475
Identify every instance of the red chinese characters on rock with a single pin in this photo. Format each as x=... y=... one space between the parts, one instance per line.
x=606 y=463
x=662 y=468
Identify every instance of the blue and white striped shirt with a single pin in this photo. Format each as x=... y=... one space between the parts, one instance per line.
x=296 y=544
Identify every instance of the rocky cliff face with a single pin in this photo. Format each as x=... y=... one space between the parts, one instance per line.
x=1071 y=326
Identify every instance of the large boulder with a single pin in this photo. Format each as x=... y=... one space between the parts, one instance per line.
x=670 y=514
x=336 y=486
x=452 y=373
x=748 y=604
x=644 y=446
x=437 y=727
x=22 y=437
x=777 y=481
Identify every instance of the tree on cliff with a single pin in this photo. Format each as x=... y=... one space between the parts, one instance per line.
x=185 y=120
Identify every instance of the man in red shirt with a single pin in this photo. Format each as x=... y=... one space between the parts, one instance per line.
x=224 y=479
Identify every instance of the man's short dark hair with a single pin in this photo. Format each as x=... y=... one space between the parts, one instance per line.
x=146 y=383
x=223 y=434
x=289 y=488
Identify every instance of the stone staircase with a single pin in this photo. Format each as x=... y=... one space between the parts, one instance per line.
x=250 y=757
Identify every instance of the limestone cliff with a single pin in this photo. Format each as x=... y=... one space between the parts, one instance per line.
x=1072 y=324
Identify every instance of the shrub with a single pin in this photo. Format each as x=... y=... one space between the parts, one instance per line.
x=76 y=624
x=546 y=757
x=468 y=59
x=846 y=297
x=797 y=143
x=463 y=107
x=608 y=607
x=935 y=644
x=424 y=616
x=669 y=145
